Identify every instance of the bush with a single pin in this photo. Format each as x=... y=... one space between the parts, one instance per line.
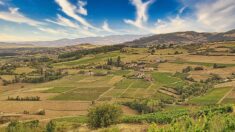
x=31 y=126
x=158 y=117
x=18 y=98
x=209 y=123
x=218 y=66
x=145 y=105
x=104 y=115
x=40 y=112
x=187 y=69
x=199 y=68
x=51 y=127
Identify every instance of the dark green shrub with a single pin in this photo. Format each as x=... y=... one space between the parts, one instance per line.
x=104 y=115
x=51 y=126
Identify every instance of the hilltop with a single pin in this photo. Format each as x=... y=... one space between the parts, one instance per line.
x=188 y=37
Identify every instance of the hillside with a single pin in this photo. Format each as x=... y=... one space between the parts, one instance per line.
x=188 y=37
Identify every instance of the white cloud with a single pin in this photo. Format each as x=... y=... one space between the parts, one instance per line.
x=219 y=15
x=51 y=31
x=13 y=15
x=141 y=13
x=62 y=21
x=2 y=3
x=106 y=27
x=177 y=24
x=86 y=33
x=23 y=38
x=81 y=10
x=73 y=11
x=208 y=16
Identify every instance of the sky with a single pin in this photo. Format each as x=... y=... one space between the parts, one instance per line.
x=43 y=20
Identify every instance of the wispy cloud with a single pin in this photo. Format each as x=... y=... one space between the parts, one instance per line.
x=141 y=13
x=74 y=11
x=176 y=24
x=106 y=27
x=52 y=31
x=217 y=15
x=62 y=21
x=13 y=15
x=81 y=7
x=1 y=3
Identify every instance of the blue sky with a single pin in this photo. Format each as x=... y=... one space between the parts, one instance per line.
x=33 y=20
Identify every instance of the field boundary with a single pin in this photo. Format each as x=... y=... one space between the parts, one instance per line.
x=225 y=95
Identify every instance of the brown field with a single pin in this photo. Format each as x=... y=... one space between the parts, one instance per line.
x=53 y=108
x=209 y=59
x=223 y=72
x=171 y=67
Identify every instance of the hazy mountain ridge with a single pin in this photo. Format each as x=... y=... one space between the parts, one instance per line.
x=188 y=37
x=107 y=40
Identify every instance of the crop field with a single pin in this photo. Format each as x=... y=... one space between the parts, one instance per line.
x=7 y=77
x=88 y=60
x=22 y=70
x=207 y=60
x=230 y=98
x=167 y=80
x=83 y=82
x=212 y=97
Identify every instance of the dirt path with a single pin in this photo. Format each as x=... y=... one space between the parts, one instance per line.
x=168 y=93
x=225 y=96
x=126 y=89
x=104 y=93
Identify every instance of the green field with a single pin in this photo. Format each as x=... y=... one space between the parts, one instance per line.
x=211 y=97
x=125 y=83
x=84 y=94
x=140 y=83
x=203 y=63
x=99 y=58
x=167 y=80
x=58 y=89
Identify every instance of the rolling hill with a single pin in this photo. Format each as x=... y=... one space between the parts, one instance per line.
x=188 y=37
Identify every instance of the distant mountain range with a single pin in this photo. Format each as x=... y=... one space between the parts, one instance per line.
x=107 y=40
x=188 y=37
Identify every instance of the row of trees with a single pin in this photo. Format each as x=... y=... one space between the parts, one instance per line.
x=189 y=68
x=18 y=98
x=7 y=69
x=116 y=63
x=78 y=54
x=145 y=105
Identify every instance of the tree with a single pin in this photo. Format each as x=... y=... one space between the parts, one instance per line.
x=215 y=66
x=152 y=51
x=51 y=127
x=104 y=115
x=187 y=69
x=118 y=61
x=110 y=61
